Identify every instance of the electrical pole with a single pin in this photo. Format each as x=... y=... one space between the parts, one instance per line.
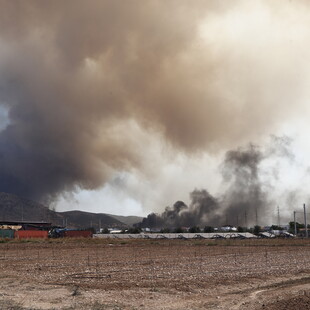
x=278 y=217
x=305 y=217
x=295 y=228
x=256 y=217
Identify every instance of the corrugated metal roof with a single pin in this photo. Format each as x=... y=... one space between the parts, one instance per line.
x=227 y=235
x=24 y=222
x=267 y=234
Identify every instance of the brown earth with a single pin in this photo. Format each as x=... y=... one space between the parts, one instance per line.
x=155 y=274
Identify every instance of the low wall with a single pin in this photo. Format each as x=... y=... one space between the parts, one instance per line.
x=28 y=234
x=7 y=233
x=78 y=234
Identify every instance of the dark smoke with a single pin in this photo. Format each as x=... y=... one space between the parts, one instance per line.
x=246 y=199
x=171 y=217
x=201 y=211
x=246 y=195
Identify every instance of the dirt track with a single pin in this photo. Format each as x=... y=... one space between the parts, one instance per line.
x=163 y=274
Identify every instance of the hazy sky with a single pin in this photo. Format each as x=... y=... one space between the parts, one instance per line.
x=127 y=106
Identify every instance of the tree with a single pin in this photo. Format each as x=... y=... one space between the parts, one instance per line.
x=208 y=229
x=292 y=227
x=105 y=231
x=134 y=230
x=256 y=230
x=240 y=229
x=194 y=230
x=275 y=227
x=178 y=230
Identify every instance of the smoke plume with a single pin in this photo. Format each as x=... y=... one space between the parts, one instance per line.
x=199 y=212
x=82 y=80
x=247 y=195
x=246 y=199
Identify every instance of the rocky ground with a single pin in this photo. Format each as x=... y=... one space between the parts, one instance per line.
x=155 y=274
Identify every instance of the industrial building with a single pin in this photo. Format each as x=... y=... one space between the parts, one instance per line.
x=28 y=230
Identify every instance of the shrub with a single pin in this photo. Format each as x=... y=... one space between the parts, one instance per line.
x=194 y=230
x=178 y=230
x=208 y=229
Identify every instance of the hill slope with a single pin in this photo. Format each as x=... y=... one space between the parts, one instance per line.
x=128 y=220
x=15 y=208
x=82 y=219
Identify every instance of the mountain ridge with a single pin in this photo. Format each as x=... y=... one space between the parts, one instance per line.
x=15 y=208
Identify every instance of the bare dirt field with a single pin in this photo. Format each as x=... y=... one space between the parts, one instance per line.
x=155 y=274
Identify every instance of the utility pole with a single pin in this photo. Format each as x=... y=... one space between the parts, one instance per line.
x=256 y=217
x=305 y=217
x=245 y=220
x=278 y=217
x=295 y=228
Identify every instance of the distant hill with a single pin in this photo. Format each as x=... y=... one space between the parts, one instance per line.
x=15 y=208
x=128 y=220
x=82 y=219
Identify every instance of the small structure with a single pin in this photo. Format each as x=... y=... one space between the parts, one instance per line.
x=266 y=234
x=24 y=230
x=30 y=234
x=60 y=232
x=23 y=225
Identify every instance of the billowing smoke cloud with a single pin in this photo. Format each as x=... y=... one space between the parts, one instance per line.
x=83 y=79
x=201 y=211
x=247 y=196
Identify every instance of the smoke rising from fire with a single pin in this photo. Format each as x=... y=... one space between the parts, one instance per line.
x=246 y=199
x=88 y=84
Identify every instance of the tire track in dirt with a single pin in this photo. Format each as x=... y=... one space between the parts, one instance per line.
x=276 y=296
